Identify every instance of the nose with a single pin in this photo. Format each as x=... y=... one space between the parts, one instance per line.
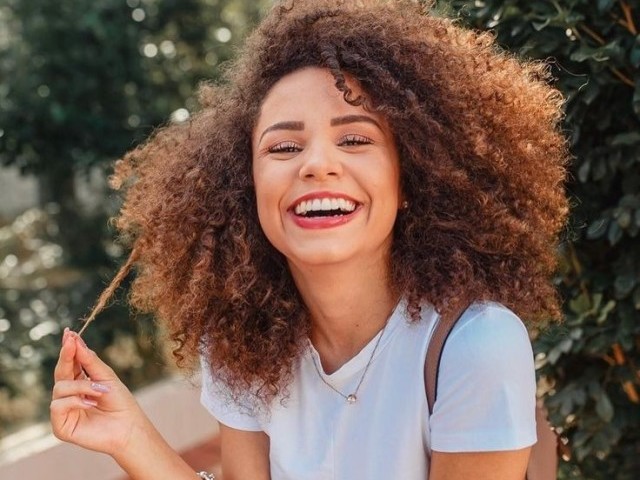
x=320 y=162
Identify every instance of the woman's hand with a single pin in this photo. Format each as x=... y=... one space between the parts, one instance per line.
x=98 y=412
x=101 y=414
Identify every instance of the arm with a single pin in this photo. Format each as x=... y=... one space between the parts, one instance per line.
x=101 y=414
x=507 y=465
x=484 y=418
x=245 y=454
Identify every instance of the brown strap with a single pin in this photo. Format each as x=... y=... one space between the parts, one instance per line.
x=434 y=352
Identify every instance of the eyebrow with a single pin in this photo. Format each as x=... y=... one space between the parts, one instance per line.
x=353 y=119
x=299 y=126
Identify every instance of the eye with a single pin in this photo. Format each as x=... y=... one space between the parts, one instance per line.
x=350 y=140
x=284 y=147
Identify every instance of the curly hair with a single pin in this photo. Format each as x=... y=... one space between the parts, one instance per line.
x=482 y=162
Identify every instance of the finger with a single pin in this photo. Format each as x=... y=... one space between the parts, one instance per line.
x=64 y=369
x=67 y=388
x=61 y=408
x=97 y=370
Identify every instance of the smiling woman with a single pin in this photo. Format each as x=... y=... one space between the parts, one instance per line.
x=364 y=170
x=316 y=149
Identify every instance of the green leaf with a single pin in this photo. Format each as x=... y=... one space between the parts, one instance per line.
x=599 y=54
x=636 y=298
x=580 y=304
x=599 y=169
x=605 y=5
x=627 y=138
x=624 y=284
x=615 y=233
x=636 y=99
x=604 y=313
x=580 y=438
x=554 y=355
x=604 y=407
x=582 y=53
x=583 y=171
x=565 y=345
x=580 y=397
x=537 y=26
x=634 y=55
x=576 y=333
x=590 y=91
x=624 y=219
x=597 y=228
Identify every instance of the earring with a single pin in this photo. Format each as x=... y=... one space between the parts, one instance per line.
x=404 y=205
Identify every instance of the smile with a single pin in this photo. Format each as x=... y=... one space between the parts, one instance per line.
x=324 y=207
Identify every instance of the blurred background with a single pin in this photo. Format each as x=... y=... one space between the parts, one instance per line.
x=83 y=81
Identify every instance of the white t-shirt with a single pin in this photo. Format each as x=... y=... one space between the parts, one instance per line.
x=486 y=402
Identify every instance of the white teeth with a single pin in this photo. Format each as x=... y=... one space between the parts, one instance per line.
x=324 y=204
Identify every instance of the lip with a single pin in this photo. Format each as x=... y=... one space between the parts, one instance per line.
x=314 y=195
x=315 y=223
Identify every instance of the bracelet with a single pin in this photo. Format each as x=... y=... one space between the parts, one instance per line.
x=206 y=476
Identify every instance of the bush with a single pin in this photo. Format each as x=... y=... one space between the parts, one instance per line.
x=589 y=364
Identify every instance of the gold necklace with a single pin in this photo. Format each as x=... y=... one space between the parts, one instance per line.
x=353 y=397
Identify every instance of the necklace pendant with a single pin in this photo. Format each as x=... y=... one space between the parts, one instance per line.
x=351 y=399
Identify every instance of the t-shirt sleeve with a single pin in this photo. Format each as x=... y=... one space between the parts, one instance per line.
x=486 y=385
x=216 y=398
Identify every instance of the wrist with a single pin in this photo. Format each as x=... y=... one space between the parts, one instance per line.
x=147 y=455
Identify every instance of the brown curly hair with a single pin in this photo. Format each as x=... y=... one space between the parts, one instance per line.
x=482 y=163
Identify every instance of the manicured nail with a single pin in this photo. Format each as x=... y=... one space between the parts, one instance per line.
x=98 y=387
x=86 y=401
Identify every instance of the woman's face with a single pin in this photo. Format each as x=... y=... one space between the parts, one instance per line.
x=326 y=173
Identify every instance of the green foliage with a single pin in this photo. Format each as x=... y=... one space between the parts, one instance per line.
x=84 y=80
x=40 y=295
x=591 y=361
x=81 y=82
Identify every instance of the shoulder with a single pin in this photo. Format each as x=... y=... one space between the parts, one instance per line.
x=488 y=333
x=486 y=384
x=233 y=410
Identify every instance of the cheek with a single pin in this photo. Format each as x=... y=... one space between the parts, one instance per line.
x=268 y=201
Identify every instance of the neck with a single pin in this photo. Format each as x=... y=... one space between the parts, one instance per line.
x=348 y=306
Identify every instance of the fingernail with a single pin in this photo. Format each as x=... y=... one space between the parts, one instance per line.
x=98 y=387
x=86 y=401
x=64 y=334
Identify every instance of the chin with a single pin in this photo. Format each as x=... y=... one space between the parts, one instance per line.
x=320 y=257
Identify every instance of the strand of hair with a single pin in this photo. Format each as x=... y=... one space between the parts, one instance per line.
x=110 y=290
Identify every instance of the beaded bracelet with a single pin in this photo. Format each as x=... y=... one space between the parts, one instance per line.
x=206 y=476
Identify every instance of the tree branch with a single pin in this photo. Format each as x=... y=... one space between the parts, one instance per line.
x=628 y=17
x=621 y=76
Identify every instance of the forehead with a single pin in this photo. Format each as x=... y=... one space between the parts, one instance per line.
x=320 y=78
x=309 y=92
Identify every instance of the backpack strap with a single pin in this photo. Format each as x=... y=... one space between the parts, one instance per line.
x=434 y=352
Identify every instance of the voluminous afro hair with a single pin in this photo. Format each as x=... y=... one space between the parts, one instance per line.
x=482 y=167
